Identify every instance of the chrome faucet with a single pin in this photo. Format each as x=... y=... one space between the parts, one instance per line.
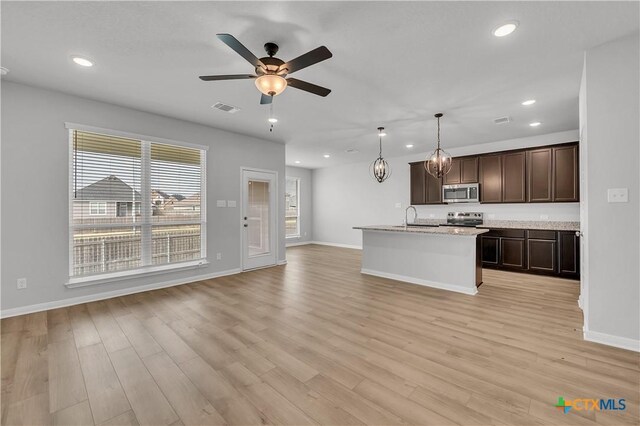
x=406 y=214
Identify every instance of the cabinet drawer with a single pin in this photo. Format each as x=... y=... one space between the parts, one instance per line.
x=507 y=233
x=542 y=235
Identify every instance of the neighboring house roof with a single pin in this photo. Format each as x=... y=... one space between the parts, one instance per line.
x=110 y=188
x=190 y=201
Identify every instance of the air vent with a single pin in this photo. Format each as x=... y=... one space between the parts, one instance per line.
x=226 y=108
x=351 y=151
x=502 y=120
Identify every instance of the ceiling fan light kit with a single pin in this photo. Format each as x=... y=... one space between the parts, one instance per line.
x=271 y=72
x=438 y=163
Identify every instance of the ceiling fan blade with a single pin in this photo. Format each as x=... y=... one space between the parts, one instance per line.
x=239 y=48
x=226 y=77
x=265 y=99
x=316 y=55
x=308 y=87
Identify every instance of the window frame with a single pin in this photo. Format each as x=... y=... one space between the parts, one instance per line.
x=146 y=223
x=98 y=204
x=298 y=230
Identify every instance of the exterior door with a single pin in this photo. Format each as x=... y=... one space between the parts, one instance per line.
x=259 y=219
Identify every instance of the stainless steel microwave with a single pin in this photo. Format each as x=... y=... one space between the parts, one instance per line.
x=464 y=193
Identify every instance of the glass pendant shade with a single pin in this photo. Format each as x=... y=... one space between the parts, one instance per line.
x=271 y=84
x=380 y=169
x=438 y=163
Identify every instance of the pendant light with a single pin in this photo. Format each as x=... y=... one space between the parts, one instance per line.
x=438 y=163
x=380 y=169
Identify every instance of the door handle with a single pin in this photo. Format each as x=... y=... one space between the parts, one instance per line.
x=246 y=225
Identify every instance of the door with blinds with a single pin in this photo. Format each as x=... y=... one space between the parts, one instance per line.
x=259 y=219
x=134 y=205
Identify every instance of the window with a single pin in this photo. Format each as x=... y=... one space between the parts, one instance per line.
x=97 y=208
x=134 y=205
x=292 y=208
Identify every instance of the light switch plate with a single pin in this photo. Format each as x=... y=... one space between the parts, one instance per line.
x=618 y=195
x=231 y=203
x=221 y=203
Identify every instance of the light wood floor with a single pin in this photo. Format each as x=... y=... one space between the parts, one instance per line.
x=315 y=342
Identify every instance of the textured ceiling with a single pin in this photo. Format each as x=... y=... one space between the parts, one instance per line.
x=395 y=64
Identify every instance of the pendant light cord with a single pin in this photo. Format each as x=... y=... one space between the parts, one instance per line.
x=380 y=139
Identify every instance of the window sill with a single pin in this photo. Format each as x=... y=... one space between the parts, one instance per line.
x=137 y=273
x=292 y=237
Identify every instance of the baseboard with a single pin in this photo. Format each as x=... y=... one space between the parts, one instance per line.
x=299 y=243
x=6 y=313
x=412 y=280
x=611 y=340
x=324 y=243
x=282 y=262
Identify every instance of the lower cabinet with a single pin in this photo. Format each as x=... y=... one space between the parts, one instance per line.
x=537 y=252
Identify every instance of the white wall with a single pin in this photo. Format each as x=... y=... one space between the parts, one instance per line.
x=346 y=196
x=35 y=189
x=306 y=210
x=612 y=94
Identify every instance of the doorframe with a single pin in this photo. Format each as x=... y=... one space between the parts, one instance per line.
x=276 y=213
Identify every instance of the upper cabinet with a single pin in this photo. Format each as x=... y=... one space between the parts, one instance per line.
x=425 y=189
x=565 y=173
x=463 y=170
x=490 y=178
x=537 y=175
x=417 y=183
x=514 y=177
x=553 y=174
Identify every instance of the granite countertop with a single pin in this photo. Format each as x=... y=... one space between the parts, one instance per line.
x=546 y=225
x=442 y=230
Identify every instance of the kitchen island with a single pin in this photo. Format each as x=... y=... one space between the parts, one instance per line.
x=442 y=257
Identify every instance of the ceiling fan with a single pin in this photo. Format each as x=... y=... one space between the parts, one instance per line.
x=271 y=71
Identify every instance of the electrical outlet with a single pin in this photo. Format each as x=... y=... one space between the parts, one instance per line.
x=218 y=256
x=22 y=283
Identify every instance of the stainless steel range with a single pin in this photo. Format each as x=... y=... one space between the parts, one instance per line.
x=471 y=219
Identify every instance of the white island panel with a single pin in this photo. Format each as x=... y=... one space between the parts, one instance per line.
x=432 y=259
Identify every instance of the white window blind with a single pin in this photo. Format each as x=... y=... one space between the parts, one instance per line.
x=134 y=204
x=292 y=208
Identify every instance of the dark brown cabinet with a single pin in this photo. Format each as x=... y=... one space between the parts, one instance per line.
x=490 y=174
x=542 y=251
x=533 y=251
x=539 y=175
x=417 y=183
x=425 y=189
x=569 y=254
x=565 y=173
x=504 y=249
x=463 y=170
x=514 y=177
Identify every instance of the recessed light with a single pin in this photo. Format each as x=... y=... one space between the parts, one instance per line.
x=505 y=29
x=535 y=124
x=297 y=161
x=83 y=62
x=4 y=71
x=529 y=102
x=409 y=145
x=326 y=155
x=273 y=120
